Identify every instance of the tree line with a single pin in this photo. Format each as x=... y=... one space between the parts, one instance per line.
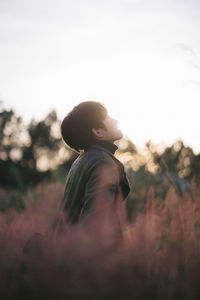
x=35 y=152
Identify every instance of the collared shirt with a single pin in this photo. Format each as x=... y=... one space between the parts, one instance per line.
x=108 y=145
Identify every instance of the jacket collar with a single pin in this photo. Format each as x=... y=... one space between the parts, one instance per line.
x=106 y=145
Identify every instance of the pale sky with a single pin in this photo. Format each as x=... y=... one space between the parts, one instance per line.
x=139 y=57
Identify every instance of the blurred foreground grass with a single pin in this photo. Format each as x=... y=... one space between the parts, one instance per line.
x=158 y=256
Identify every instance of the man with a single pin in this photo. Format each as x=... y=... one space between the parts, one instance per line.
x=96 y=176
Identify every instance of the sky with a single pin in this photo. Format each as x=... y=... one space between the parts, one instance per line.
x=139 y=57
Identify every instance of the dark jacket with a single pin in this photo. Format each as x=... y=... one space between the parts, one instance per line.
x=95 y=173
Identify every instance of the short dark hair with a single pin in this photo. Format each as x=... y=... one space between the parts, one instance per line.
x=76 y=128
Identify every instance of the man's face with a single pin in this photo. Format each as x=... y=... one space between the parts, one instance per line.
x=113 y=133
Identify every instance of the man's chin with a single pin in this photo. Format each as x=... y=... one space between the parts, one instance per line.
x=119 y=136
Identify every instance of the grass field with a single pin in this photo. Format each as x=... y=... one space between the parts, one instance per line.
x=157 y=256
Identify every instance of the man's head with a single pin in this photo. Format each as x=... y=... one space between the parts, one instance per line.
x=87 y=122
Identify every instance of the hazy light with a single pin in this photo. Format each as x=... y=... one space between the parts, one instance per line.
x=138 y=57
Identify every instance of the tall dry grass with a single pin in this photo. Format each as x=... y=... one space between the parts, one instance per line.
x=156 y=257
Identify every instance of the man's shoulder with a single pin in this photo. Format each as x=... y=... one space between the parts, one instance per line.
x=95 y=155
x=93 y=158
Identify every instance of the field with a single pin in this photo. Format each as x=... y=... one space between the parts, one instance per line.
x=157 y=255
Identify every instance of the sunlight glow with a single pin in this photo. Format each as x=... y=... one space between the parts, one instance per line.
x=140 y=59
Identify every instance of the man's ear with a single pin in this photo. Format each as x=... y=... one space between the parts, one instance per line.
x=97 y=132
